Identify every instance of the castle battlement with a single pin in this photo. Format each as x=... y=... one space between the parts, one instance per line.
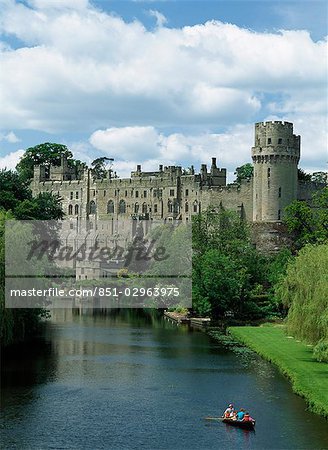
x=174 y=193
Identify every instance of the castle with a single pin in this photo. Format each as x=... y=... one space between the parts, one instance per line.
x=174 y=194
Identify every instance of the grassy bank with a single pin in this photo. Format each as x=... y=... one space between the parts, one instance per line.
x=294 y=359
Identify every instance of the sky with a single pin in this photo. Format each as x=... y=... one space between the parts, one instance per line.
x=161 y=82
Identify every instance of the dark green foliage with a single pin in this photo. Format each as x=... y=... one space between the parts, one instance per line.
x=12 y=190
x=16 y=202
x=43 y=207
x=309 y=225
x=47 y=153
x=244 y=172
x=303 y=176
x=226 y=267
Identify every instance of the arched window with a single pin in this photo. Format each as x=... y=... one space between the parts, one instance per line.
x=186 y=207
x=144 y=208
x=76 y=210
x=195 y=206
x=92 y=207
x=136 y=208
x=110 y=207
x=70 y=210
x=170 y=206
x=122 y=207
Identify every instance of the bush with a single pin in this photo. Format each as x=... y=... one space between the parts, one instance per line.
x=320 y=351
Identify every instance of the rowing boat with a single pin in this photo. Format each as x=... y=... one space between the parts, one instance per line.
x=247 y=425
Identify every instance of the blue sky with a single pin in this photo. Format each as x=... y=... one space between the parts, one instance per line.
x=152 y=82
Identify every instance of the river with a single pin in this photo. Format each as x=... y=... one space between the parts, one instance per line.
x=132 y=381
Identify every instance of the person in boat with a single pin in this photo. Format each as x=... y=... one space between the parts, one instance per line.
x=234 y=415
x=240 y=414
x=228 y=412
x=248 y=418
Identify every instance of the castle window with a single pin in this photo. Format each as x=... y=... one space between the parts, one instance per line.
x=195 y=206
x=110 y=207
x=104 y=193
x=186 y=207
x=269 y=172
x=92 y=207
x=71 y=226
x=136 y=208
x=145 y=194
x=94 y=192
x=269 y=183
x=280 y=141
x=269 y=141
x=122 y=207
x=155 y=208
x=187 y=192
x=279 y=214
x=77 y=195
x=70 y=210
x=144 y=208
x=279 y=192
x=76 y=209
x=170 y=206
x=171 y=192
x=126 y=193
x=137 y=194
x=71 y=195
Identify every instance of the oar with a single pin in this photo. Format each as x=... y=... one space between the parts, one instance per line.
x=214 y=418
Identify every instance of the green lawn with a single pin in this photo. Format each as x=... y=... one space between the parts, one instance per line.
x=309 y=377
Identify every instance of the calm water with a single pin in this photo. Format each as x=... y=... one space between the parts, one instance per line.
x=131 y=382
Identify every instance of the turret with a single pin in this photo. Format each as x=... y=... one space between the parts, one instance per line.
x=275 y=155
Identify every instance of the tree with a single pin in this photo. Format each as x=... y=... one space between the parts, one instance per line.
x=226 y=267
x=47 y=154
x=244 y=172
x=12 y=190
x=304 y=292
x=43 y=207
x=303 y=176
x=308 y=224
x=320 y=178
x=99 y=167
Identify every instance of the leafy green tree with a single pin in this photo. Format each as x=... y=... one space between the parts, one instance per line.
x=99 y=170
x=43 y=207
x=12 y=190
x=47 y=154
x=304 y=292
x=244 y=172
x=226 y=267
x=309 y=224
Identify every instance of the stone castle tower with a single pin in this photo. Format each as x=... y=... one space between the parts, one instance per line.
x=275 y=155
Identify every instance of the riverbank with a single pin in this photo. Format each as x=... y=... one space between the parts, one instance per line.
x=294 y=359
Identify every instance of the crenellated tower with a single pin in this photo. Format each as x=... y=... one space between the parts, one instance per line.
x=275 y=155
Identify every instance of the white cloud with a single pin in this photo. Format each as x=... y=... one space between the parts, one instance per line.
x=86 y=69
x=9 y=137
x=134 y=145
x=160 y=18
x=9 y=161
